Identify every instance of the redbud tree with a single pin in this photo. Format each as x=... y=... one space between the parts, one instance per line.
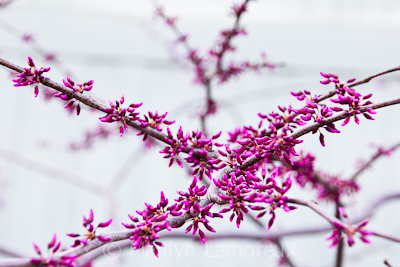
x=255 y=175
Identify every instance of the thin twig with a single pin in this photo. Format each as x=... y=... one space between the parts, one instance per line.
x=51 y=171
x=129 y=164
x=9 y=253
x=34 y=45
x=366 y=80
x=284 y=255
x=377 y=155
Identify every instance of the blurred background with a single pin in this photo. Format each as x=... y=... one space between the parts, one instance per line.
x=45 y=186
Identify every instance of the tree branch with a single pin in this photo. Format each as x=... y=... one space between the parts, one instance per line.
x=91 y=102
x=340 y=116
x=366 y=80
x=377 y=155
x=51 y=171
x=123 y=235
x=9 y=253
x=211 y=195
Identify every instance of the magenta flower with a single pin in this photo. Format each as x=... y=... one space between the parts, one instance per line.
x=154 y=121
x=281 y=145
x=87 y=86
x=236 y=189
x=52 y=248
x=349 y=231
x=49 y=56
x=90 y=231
x=235 y=135
x=199 y=214
x=278 y=121
x=340 y=86
x=300 y=95
x=201 y=164
x=353 y=101
x=199 y=68
x=154 y=219
x=30 y=76
x=27 y=37
x=175 y=146
x=117 y=113
x=244 y=191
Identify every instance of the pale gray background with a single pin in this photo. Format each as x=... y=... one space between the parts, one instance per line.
x=119 y=45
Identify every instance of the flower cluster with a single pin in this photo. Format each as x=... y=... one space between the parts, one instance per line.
x=199 y=67
x=242 y=193
x=281 y=145
x=340 y=86
x=236 y=188
x=175 y=146
x=278 y=121
x=99 y=132
x=30 y=76
x=90 y=231
x=201 y=163
x=198 y=214
x=117 y=113
x=235 y=135
x=315 y=111
x=80 y=87
x=262 y=143
x=232 y=158
x=154 y=219
x=329 y=187
x=334 y=187
x=349 y=231
x=198 y=145
x=154 y=121
x=52 y=247
x=353 y=101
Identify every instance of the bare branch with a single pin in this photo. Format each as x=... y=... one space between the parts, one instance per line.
x=385 y=236
x=377 y=155
x=366 y=80
x=51 y=171
x=9 y=253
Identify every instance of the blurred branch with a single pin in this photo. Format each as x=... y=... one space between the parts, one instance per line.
x=129 y=164
x=4 y=3
x=386 y=236
x=9 y=253
x=52 y=172
x=285 y=257
x=368 y=79
x=386 y=262
x=378 y=154
x=35 y=46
